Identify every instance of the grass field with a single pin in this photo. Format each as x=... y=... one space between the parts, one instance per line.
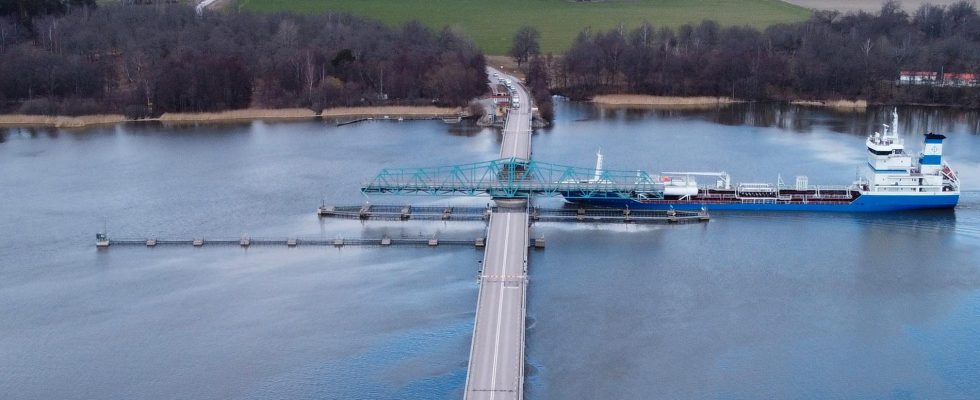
x=492 y=23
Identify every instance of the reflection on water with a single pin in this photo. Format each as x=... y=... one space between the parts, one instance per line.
x=861 y=122
x=749 y=305
x=753 y=142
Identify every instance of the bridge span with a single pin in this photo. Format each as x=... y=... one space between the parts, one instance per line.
x=496 y=367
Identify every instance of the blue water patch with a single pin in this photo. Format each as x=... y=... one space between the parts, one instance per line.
x=952 y=344
x=749 y=305
x=390 y=369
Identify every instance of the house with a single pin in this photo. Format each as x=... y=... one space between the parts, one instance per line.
x=961 y=80
x=953 y=79
x=917 y=78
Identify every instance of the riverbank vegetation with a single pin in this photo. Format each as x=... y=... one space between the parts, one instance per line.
x=146 y=60
x=829 y=56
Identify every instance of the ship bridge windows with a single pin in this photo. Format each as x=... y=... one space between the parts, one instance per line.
x=884 y=152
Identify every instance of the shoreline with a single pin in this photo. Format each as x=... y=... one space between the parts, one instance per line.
x=55 y=121
x=228 y=116
x=661 y=101
x=264 y=114
x=394 y=112
x=839 y=104
x=640 y=100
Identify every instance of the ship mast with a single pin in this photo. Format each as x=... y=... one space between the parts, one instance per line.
x=895 y=121
x=598 y=165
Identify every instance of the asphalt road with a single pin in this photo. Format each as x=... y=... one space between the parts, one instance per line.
x=496 y=368
x=517 y=129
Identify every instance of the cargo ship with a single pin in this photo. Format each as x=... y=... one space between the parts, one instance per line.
x=893 y=180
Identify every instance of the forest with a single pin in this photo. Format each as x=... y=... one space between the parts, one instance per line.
x=145 y=60
x=829 y=56
x=75 y=57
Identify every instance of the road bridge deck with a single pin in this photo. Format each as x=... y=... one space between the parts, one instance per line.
x=496 y=367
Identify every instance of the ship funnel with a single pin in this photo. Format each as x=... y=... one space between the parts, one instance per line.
x=931 y=160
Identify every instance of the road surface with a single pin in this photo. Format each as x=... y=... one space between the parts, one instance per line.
x=517 y=129
x=496 y=368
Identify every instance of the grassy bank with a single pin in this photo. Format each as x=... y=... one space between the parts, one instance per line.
x=492 y=24
x=239 y=115
x=641 y=100
x=58 y=121
x=660 y=101
x=281 y=114
x=839 y=104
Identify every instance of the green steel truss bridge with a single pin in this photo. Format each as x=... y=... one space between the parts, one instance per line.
x=515 y=178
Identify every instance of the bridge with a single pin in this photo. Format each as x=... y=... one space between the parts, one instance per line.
x=515 y=178
x=496 y=367
x=496 y=363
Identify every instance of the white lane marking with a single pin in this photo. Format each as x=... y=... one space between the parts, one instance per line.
x=513 y=151
x=500 y=311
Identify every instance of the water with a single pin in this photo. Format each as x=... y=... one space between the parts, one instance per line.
x=746 y=306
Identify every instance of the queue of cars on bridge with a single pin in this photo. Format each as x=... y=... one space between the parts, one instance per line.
x=516 y=103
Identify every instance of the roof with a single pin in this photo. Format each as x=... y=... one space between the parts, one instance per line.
x=919 y=73
x=962 y=77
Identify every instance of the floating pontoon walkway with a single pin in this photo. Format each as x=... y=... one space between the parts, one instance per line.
x=104 y=241
x=429 y=213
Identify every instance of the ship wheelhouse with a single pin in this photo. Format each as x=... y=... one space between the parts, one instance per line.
x=891 y=170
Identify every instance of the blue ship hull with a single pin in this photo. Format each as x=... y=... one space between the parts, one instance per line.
x=864 y=203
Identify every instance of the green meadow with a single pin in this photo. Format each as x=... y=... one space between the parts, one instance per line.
x=491 y=24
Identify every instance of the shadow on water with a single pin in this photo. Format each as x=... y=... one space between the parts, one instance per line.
x=29 y=133
x=919 y=219
x=466 y=128
x=153 y=128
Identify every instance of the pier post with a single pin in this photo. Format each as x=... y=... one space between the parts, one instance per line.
x=101 y=240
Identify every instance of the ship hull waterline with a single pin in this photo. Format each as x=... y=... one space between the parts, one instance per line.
x=863 y=203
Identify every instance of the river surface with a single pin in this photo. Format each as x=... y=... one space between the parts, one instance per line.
x=748 y=306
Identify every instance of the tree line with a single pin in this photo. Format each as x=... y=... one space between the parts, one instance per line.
x=831 y=55
x=144 y=60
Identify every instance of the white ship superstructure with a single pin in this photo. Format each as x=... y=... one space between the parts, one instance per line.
x=892 y=170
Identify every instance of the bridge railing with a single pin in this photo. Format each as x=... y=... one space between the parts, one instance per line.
x=513 y=178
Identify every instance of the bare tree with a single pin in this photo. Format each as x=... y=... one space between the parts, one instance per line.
x=830 y=55
x=525 y=44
